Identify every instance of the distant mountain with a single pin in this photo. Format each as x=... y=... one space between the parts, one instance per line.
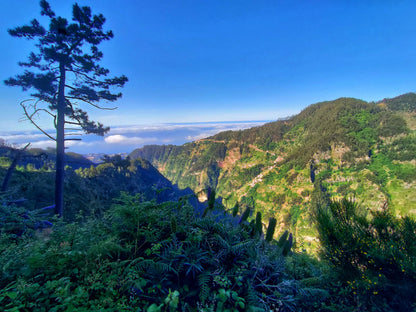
x=346 y=147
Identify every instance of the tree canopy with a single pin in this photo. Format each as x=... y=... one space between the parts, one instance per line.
x=64 y=74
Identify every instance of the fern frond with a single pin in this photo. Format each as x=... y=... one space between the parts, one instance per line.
x=251 y=296
x=221 y=242
x=314 y=294
x=147 y=265
x=204 y=224
x=243 y=247
x=203 y=282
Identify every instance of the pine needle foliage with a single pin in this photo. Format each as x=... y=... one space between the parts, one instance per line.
x=373 y=256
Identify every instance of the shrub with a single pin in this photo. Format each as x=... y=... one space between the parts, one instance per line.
x=372 y=256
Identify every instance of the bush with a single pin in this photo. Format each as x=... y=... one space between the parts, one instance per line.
x=372 y=256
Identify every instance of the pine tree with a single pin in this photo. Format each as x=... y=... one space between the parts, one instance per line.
x=64 y=74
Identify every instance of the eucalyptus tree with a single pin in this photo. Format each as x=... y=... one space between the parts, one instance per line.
x=64 y=75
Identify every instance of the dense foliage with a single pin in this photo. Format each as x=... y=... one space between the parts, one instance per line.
x=130 y=240
x=145 y=256
x=373 y=257
x=38 y=158
x=404 y=102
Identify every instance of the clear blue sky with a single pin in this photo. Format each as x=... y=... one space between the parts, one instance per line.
x=217 y=60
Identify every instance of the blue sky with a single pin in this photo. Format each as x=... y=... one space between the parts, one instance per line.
x=234 y=60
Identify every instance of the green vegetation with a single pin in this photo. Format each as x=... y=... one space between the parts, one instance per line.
x=355 y=149
x=89 y=190
x=373 y=257
x=318 y=210
x=287 y=240
x=144 y=256
x=404 y=102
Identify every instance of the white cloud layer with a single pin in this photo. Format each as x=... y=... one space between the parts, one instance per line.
x=22 y=137
x=127 y=138
x=218 y=126
x=124 y=140
x=43 y=144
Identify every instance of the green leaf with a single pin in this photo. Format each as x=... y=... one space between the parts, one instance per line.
x=12 y=294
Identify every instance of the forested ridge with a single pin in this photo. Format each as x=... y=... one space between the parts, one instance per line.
x=349 y=147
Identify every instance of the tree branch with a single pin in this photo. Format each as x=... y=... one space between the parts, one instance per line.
x=90 y=103
x=76 y=72
x=72 y=134
x=34 y=123
x=72 y=123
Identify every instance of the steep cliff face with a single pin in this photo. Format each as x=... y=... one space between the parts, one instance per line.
x=345 y=147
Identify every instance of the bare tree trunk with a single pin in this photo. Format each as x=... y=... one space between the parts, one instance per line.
x=60 y=145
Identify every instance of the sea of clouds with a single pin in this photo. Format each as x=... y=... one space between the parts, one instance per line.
x=123 y=139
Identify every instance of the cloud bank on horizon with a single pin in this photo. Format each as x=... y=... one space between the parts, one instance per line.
x=124 y=139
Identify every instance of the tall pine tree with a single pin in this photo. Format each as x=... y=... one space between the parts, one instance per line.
x=64 y=74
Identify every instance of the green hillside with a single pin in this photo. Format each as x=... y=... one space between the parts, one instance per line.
x=346 y=147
